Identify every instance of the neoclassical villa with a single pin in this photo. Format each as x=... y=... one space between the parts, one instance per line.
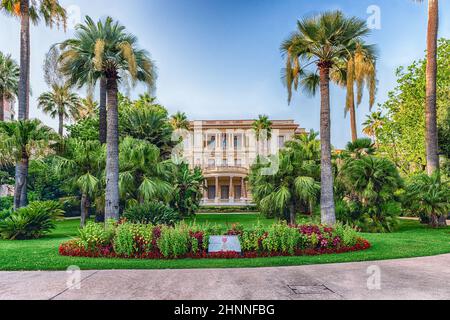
x=225 y=150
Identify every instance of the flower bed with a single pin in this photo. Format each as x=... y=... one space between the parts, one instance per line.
x=139 y=241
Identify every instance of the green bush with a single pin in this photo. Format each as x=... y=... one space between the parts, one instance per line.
x=152 y=213
x=174 y=242
x=96 y=234
x=250 y=240
x=6 y=203
x=31 y=222
x=133 y=239
x=281 y=238
x=228 y=209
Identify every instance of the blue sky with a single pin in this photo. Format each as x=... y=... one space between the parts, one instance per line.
x=220 y=59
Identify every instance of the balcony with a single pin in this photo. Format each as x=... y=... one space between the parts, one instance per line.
x=212 y=170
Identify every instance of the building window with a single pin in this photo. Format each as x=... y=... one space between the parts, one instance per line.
x=212 y=142
x=211 y=192
x=238 y=162
x=211 y=163
x=224 y=163
x=224 y=141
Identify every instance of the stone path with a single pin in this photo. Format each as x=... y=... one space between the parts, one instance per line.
x=419 y=278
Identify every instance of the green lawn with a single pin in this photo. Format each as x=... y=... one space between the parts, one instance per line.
x=411 y=240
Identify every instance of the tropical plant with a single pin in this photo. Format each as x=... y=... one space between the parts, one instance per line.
x=52 y=13
x=81 y=164
x=9 y=81
x=370 y=185
x=155 y=213
x=144 y=120
x=431 y=135
x=374 y=122
x=179 y=121
x=263 y=131
x=21 y=141
x=360 y=148
x=323 y=41
x=60 y=103
x=86 y=58
x=88 y=108
x=31 y=222
x=292 y=184
x=429 y=196
x=143 y=175
x=188 y=186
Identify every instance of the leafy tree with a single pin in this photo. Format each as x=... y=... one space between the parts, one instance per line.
x=62 y=103
x=9 y=81
x=402 y=135
x=108 y=56
x=322 y=41
x=52 y=13
x=295 y=183
x=360 y=148
x=21 y=141
x=81 y=164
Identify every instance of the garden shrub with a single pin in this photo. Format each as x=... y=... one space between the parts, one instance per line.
x=151 y=213
x=146 y=241
x=31 y=222
x=6 y=203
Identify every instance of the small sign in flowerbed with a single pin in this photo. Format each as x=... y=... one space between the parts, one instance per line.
x=141 y=241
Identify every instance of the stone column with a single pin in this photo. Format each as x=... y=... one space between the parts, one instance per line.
x=217 y=189
x=231 y=190
x=242 y=189
x=205 y=192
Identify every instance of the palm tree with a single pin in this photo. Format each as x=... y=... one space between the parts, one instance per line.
x=35 y=10
x=432 y=147
x=88 y=108
x=359 y=68
x=360 y=148
x=294 y=183
x=9 y=81
x=374 y=122
x=323 y=41
x=179 y=121
x=81 y=164
x=263 y=130
x=61 y=102
x=21 y=141
x=92 y=55
x=143 y=175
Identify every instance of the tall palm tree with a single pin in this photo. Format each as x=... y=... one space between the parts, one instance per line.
x=9 y=81
x=179 y=121
x=358 y=69
x=61 y=102
x=20 y=141
x=431 y=87
x=91 y=55
x=263 y=130
x=31 y=10
x=323 y=41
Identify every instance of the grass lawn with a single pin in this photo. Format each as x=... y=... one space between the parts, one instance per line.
x=411 y=240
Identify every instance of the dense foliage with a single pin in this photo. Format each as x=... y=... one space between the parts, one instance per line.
x=30 y=222
x=154 y=213
x=130 y=240
x=401 y=137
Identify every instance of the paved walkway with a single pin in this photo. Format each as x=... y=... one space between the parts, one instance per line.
x=419 y=278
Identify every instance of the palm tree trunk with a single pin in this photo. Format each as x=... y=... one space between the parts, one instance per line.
x=353 y=125
x=20 y=190
x=326 y=197
x=112 y=153
x=102 y=111
x=24 y=81
x=61 y=124
x=84 y=209
x=292 y=214
x=430 y=109
x=2 y=107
